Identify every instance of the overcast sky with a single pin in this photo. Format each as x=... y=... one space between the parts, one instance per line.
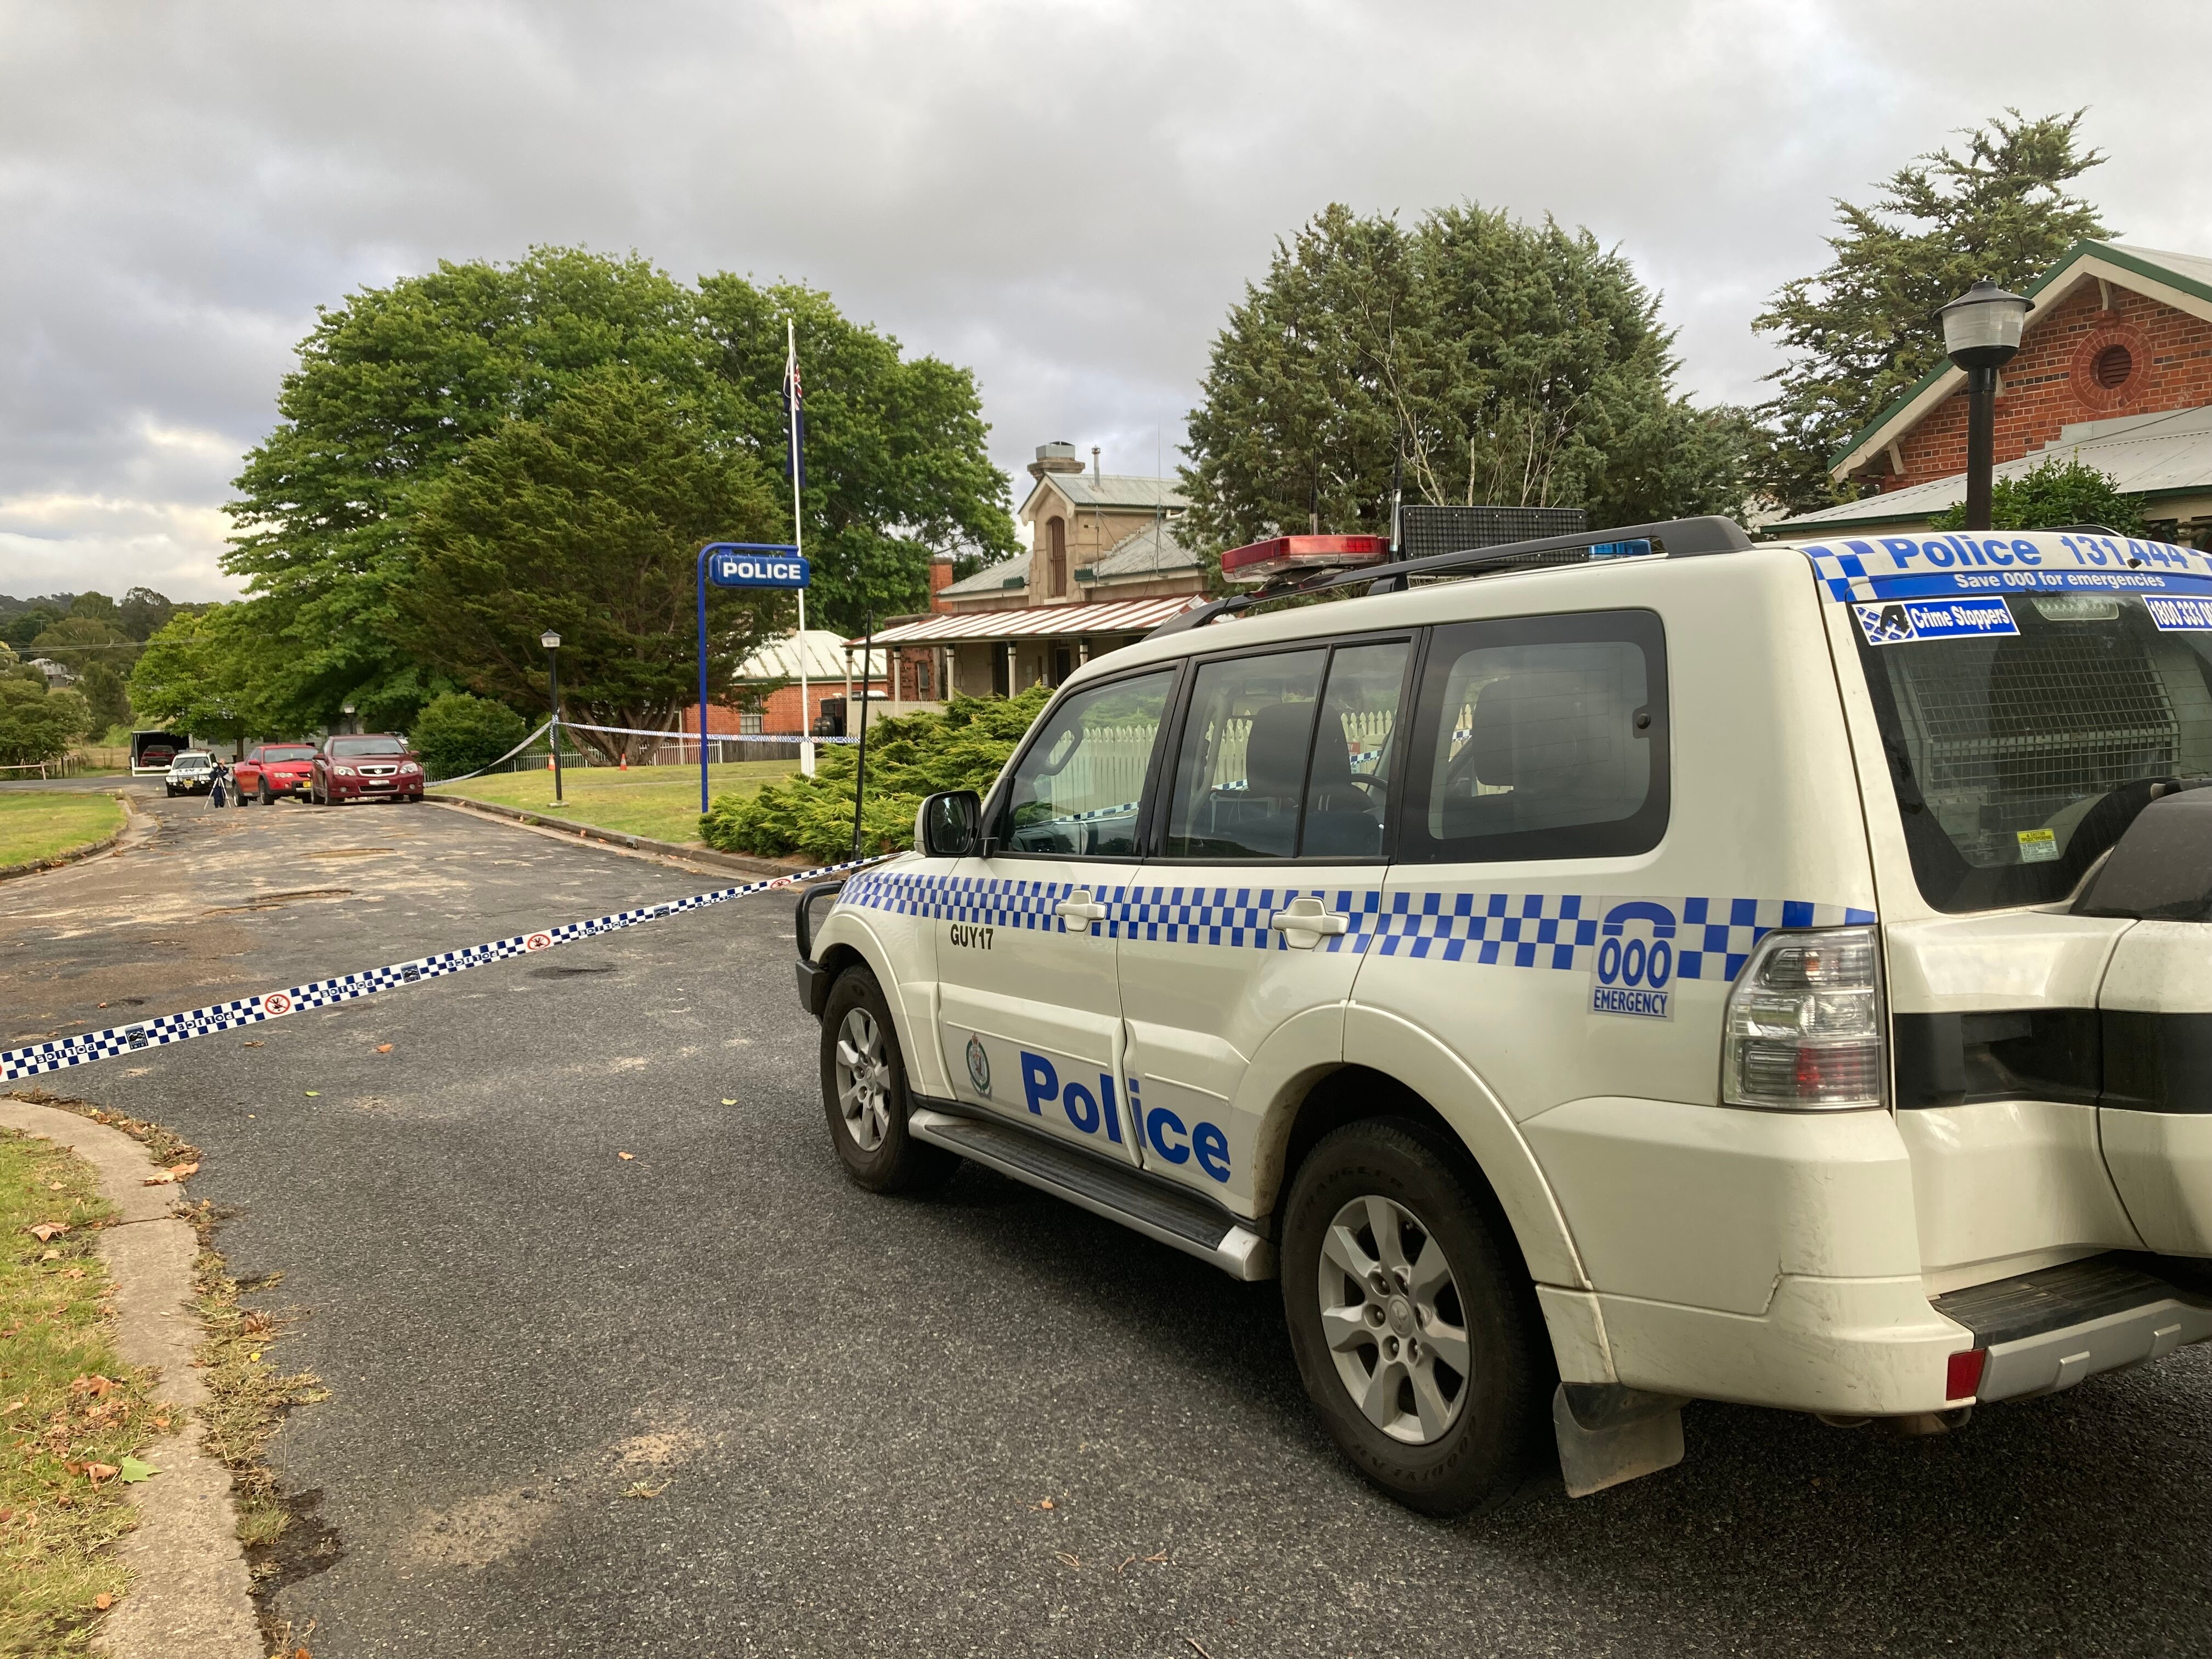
x=1065 y=198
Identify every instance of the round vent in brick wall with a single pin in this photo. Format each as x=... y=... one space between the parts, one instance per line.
x=2111 y=369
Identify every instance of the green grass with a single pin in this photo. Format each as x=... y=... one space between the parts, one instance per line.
x=660 y=802
x=40 y=824
x=70 y=1413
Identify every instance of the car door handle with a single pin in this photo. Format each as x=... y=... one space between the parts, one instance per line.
x=1306 y=918
x=1079 y=906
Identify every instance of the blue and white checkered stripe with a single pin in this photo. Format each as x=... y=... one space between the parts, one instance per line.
x=1712 y=937
x=1844 y=573
x=61 y=1053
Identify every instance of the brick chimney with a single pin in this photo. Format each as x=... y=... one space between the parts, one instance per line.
x=940 y=577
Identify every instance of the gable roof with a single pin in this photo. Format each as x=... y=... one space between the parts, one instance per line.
x=1121 y=490
x=2161 y=455
x=2183 y=281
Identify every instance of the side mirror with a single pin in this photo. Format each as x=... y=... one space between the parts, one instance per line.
x=949 y=825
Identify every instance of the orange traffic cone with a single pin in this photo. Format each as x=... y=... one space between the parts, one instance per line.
x=624 y=767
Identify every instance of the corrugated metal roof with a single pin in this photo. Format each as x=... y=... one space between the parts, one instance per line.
x=824 y=649
x=1041 y=622
x=1116 y=489
x=991 y=579
x=2167 y=454
x=1157 y=548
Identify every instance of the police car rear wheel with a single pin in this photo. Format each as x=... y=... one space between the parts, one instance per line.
x=864 y=1092
x=1411 y=1328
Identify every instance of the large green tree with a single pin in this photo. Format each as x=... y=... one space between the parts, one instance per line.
x=210 y=671
x=1862 y=329
x=395 y=386
x=1506 y=364
x=587 y=521
x=36 y=724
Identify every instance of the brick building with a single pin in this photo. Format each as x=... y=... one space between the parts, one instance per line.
x=768 y=686
x=2114 y=370
x=1106 y=564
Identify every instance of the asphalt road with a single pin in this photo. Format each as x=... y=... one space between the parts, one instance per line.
x=852 y=1409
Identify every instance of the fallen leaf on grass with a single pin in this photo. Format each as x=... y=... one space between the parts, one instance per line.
x=97 y=1472
x=47 y=1229
x=628 y=1158
x=93 y=1385
x=15 y=1406
x=384 y=1047
x=1065 y=1558
x=50 y=1255
x=53 y=1186
x=133 y=1470
x=103 y=1601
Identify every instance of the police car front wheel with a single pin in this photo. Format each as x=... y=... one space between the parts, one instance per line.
x=1410 y=1321
x=864 y=1092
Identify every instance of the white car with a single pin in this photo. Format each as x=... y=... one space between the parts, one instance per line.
x=191 y=773
x=1689 y=971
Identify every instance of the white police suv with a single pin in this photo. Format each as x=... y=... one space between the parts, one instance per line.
x=1596 y=974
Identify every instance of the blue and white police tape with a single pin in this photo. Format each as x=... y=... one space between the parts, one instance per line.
x=60 y=1053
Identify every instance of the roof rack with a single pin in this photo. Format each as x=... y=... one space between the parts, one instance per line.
x=1673 y=539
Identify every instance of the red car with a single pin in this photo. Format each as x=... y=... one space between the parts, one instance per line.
x=364 y=766
x=271 y=769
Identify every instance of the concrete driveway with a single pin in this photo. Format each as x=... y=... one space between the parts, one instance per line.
x=852 y=1410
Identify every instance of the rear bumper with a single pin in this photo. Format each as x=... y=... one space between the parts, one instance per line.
x=1881 y=1348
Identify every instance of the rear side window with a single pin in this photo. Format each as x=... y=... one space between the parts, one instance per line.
x=1289 y=754
x=1540 y=738
x=2018 y=758
x=1077 y=788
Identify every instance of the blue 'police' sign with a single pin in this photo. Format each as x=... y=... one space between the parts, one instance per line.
x=744 y=569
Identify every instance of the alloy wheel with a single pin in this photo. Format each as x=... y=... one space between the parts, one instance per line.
x=864 y=1079
x=1391 y=1312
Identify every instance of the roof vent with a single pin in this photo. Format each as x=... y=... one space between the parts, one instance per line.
x=1058 y=456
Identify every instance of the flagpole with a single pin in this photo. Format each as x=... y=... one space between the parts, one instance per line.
x=798 y=538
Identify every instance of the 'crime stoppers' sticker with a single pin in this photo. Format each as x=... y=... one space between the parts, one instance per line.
x=538 y=941
x=1934 y=619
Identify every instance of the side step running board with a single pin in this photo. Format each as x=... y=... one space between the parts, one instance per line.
x=1186 y=1224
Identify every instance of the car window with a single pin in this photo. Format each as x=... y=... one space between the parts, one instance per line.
x=289 y=752
x=1241 y=769
x=1348 y=782
x=344 y=747
x=1077 y=788
x=1541 y=736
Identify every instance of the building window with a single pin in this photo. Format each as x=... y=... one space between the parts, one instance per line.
x=749 y=721
x=1055 y=531
x=921 y=680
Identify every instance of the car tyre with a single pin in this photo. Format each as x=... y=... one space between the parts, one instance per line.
x=864 y=1092
x=1377 y=1354
x=267 y=799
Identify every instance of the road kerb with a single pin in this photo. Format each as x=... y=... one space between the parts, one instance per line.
x=132 y=818
x=619 y=840
x=190 y=1591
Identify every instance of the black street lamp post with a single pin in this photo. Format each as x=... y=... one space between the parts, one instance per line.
x=551 y=641
x=1981 y=332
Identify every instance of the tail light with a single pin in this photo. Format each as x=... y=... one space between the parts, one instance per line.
x=1805 y=1024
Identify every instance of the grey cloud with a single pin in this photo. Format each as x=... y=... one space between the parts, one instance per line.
x=1067 y=199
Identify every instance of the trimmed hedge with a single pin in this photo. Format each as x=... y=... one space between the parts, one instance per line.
x=908 y=758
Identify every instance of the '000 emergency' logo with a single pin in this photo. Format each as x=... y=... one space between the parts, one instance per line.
x=1635 y=969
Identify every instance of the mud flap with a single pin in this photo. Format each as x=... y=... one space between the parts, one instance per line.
x=1608 y=1434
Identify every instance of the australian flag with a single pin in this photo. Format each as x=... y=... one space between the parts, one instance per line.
x=794 y=411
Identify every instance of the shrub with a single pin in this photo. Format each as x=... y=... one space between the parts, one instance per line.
x=2052 y=497
x=908 y=758
x=458 y=733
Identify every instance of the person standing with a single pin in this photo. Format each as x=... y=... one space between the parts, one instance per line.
x=217 y=784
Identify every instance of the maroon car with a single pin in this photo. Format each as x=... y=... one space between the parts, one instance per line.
x=271 y=770
x=364 y=766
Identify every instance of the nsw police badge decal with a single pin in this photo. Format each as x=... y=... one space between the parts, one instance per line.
x=979 y=1065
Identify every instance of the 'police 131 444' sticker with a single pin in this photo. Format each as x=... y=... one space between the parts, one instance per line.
x=1901 y=620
